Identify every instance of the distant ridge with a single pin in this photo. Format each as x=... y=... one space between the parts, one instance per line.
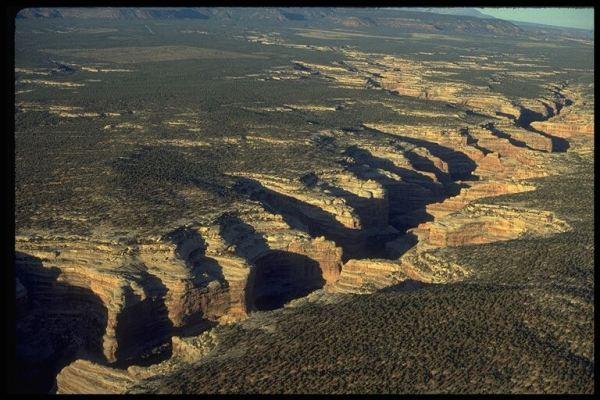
x=588 y=33
x=464 y=11
x=398 y=19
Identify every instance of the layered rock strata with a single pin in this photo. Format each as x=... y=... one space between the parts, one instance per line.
x=181 y=283
x=86 y=377
x=479 y=224
x=502 y=163
x=401 y=192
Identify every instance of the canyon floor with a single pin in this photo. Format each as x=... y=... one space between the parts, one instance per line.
x=365 y=205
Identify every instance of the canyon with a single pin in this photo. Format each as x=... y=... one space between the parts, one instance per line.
x=100 y=312
x=141 y=300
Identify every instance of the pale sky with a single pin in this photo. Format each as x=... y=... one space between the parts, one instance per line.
x=558 y=16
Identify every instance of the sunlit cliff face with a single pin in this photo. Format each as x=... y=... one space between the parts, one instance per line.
x=308 y=170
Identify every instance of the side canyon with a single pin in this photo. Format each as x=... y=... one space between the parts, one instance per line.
x=105 y=311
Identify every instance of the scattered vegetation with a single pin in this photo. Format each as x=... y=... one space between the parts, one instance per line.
x=522 y=324
x=172 y=134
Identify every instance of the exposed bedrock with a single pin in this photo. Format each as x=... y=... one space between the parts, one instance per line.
x=567 y=124
x=57 y=323
x=411 y=258
x=253 y=236
x=482 y=223
x=543 y=108
x=411 y=80
x=85 y=377
x=574 y=119
x=42 y=268
x=98 y=301
x=264 y=262
x=366 y=276
x=521 y=137
x=196 y=288
x=566 y=127
x=410 y=184
x=283 y=264
x=367 y=197
x=473 y=191
x=398 y=192
x=501 y=158
x=453 y=160
x=408 y=204
x=476 y=152
x=529 y=115
x=425 y=266
x=491 y=104
x=280 y=276
x=507 y=161
x=144 y=293
x=142 y=325
x=319 y=212
x=415 y=264
x=325 y=252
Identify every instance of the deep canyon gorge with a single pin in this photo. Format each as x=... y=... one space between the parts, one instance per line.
x=100 y=312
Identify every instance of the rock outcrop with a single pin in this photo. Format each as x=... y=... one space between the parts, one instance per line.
x=479 y=223
x=503 y=160
x=574 y=119
x=180 y=283
x=106 y=313
x=86 y=377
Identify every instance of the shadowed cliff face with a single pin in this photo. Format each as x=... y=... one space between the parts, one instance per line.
x=409 y=195
x=145 y=322
x=64 y=321
x=276 y=276
x=60 y=324
x=430 y=173
x=460 y=166
x=232 y=228
x=364 y=157
x=303 y=216
x=200 y=267
x=386 y=180
x=498 y=133
x=281 y=276
x=527 y=116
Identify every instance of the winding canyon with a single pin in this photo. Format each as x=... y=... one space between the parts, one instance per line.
x=356 y=230
x=97 y=314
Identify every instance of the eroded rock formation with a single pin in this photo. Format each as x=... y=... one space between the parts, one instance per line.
x=111 y=312
x=478 y=224
x=85 y=377
x=502 y=162
x=181 y=283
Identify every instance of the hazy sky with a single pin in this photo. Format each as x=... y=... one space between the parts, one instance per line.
x=569 y=17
